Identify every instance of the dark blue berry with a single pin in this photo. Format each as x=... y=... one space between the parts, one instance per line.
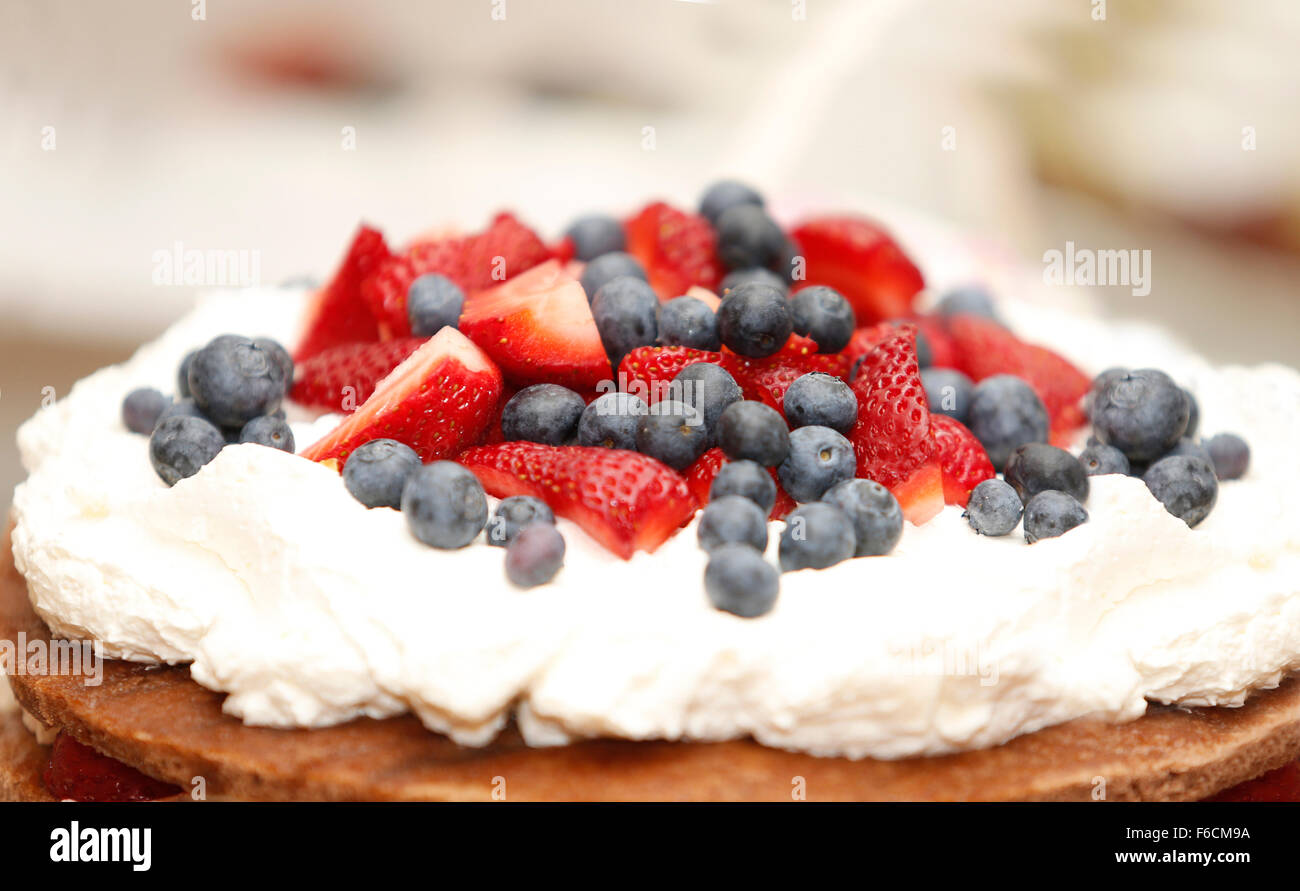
x=1142 y=413
x=142 y=408
x=1050 y=514
x=820 y=400
x=626 y=311
x=816 y=536
x=724 y=195
x=1099 y=383
x=594 y=235
x=994 y=508
x=688 y=322
x=948 y=392
x=179 y=446
x=874 y=512
x=819 y=458
x=233 y=380
x=535 y=555
x=376 y=472
x=268 y=431
x=823 y=314
x=748 y=479
x=747 y=236
x=732 y=519
x=1100 y=459
x=1229 y=454
x=513 y=514
x=754 y=320
x=433 y=302
x=444 y=505
x=708 y=389
x=757 y=274
x=1185 y=485
x=611 y=421
x=750 y=430
x=1005 y=412
x=612 y=265
x=1036 y=467
x=968 y=300
x=183 y=375
x=280 y=356
x=546 y=413
x=739 y=581
x=673 y=433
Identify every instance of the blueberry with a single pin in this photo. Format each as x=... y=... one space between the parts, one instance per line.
x=822 y=400
x=688 y=322
x=610 y=266
x=1142 y=413
x=183 y=375
x=1189 y=446
x=724 y=195
x=444 y=505
x=747 y=236
x=433 y=302
x=1185 y=485
x=748 y=479
x=535 y=555
x=1005 y=412
x=280 y=356
x=1099 y=383
x=1101 y=459
x=819 y=458
x=968 y=300
x=626 y=311
x=546 y=413
x=994 y=508
x=1193 y=413
x=757 y=274
x=376 y=472
x=823 y=314
x=874 y=512
x=1050 y=514
x=180 y=445
x=754 y=320
x=708 y=389
x=268 y=431
x=673 y=433
x=948 y=392
x=739 y=581
x=142 y=408
x=1036 y=467
x=732 y=519
x=1229 y=454
x=750 y=430
x=233 y=380
x=513 y=514
x=611 y=420
x=816 y=536
x=594 y=235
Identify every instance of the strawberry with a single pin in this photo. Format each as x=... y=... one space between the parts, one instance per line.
x=342 y=377
x=768 y=385
x=757 y=376
x=860 y=260
x=437 y=402
x=647 y=371
x=921 y=494
x=984 y=348
x=80 y=773
x=475 y=262
x=963 y=460
x=892 y=435
x=624 y=500
x=943 y=352
x=677 y=249
x=700 y=475
x=538 y=328
x=337 y=313
x=1282 y=784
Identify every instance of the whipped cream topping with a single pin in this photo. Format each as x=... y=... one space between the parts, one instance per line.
x=280 y=589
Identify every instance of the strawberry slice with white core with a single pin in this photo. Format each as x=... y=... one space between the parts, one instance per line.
x=438 y=401
x=337 y=313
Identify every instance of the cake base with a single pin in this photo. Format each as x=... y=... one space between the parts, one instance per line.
x=161 y=722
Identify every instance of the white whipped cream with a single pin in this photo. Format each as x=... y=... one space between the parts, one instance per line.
x=281 y=590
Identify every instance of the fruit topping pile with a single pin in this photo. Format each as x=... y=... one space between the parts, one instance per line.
x=640 y=370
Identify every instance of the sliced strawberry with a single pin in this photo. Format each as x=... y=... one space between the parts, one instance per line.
x=475 y=262
x=677 y=249
x=700 y=475
x=624 y=500
x=860 y=260
x=984 y=348
x=705 y=296
x=892 y=435
x=79 y=773
x=921 y=494
x=538 y=328
x=337 y=313
x=647 y=371
x=341 y=378
x=964 y=462
x=437 y=401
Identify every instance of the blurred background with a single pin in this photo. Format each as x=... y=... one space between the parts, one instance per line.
x=1161 y=125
